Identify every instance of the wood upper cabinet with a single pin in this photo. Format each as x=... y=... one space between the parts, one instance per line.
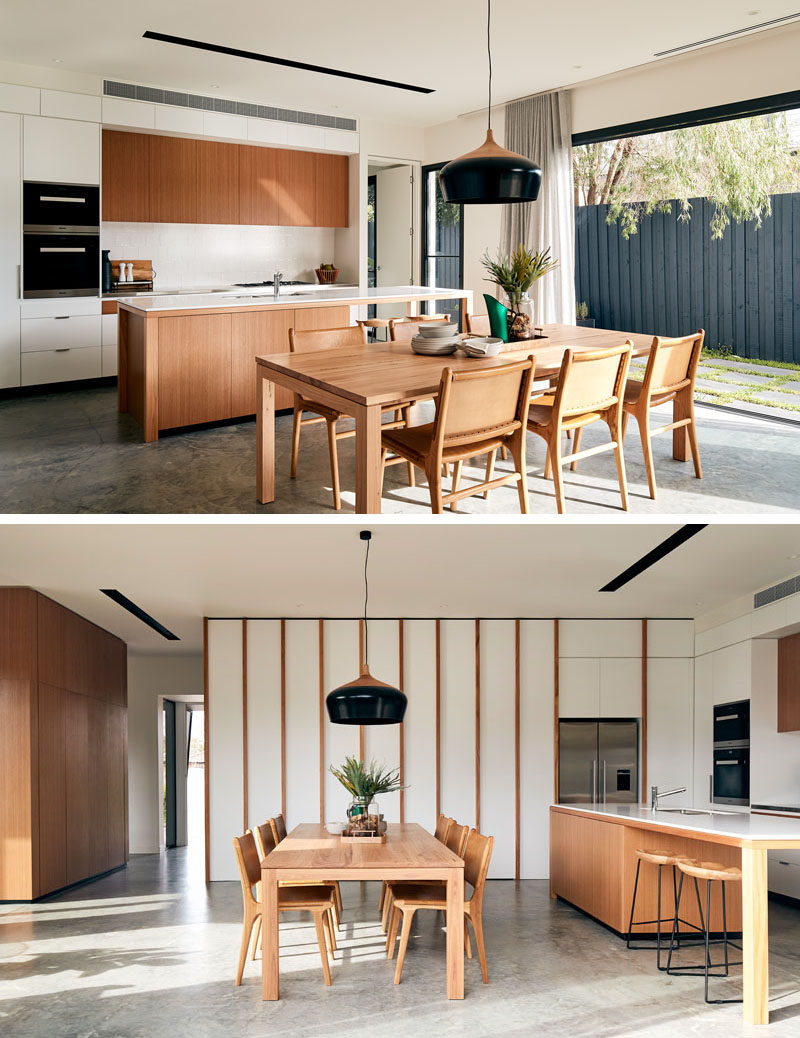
x=74 y=654
x=331 y=191
x=52 y=792
x=789 y=684
x=173 y=180
x=217 y=182
x=258 y=190
x=253 y=334
x=126 y=176
x=296 y=184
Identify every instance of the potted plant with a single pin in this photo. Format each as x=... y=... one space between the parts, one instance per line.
x=515 y=274
x=582 y=318
x=364 y=782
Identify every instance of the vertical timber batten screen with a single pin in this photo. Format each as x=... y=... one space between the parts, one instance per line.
x=672 y=278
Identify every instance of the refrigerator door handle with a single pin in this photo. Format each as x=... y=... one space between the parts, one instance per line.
x=604 y=781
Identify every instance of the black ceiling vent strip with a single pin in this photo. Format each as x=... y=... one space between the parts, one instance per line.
x=252 y=55
x=139 y=613
x=776 y=592
x=675 y=540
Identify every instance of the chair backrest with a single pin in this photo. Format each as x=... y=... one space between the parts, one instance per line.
x=477 y=855
x=477 y=325
x=326 y=338
x=404 y=330
x=672 y=363
x=278 y=828
x=265 y=839
x=476 y=405
x=456 y=838
x=248 y=861
x=443 y=823
x=591 y=381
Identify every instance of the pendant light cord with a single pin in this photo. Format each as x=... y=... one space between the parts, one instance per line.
x=366 y=599
x=489 y=51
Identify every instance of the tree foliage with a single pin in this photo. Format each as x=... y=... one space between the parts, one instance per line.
x=736 y=165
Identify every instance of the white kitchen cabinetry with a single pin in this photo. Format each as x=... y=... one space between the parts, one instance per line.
x=64 y=105
x=670 y=724
x=23 y=99
x=670 y=638
x=109 y=339
x=60 y=340
x=179 y=120
x=119 y=111
x=620 y=687
x=62 y=365
x=784 y=872
x=731 y=673
x=220 y=124
x=62 y=151
x=267 y=131
x=10 y=247
x=703 y=728
x=59 y=332
x=589 y=638
x=578 y=687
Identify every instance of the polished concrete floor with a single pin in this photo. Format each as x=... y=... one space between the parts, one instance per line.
x=150 y=952
x=72 y=452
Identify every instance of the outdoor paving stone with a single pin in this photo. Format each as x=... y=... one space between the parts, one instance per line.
x=778 y=397
x=740 y=366
x=738 y=376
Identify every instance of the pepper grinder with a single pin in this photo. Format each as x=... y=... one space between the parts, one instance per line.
x=130 y=272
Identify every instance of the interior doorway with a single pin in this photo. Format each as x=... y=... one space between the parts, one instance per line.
x=392 y=185
x=182 y=778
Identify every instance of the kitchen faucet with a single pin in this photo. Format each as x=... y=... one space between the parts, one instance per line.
x=276 y=282
x=655 y=796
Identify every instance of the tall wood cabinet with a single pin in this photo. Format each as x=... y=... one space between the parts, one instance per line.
x=789 y=684
x=63 y=747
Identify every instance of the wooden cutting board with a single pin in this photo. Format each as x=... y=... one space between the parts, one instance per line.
x=142 y=269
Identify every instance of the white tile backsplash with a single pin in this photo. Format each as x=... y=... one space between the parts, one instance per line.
x=188 y=255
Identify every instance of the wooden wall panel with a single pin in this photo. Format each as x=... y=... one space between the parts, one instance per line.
x=302 y=721
x=52 y=789
x=224 y=753
x=458 y=719
x=497 y=762
x=382 y=742
x=126 y=177
x=536 y=737
x=254 y=334
x=264 y=719
x=78 y=816
x=419 y=666
x=194 y=370
x=97 y=783
x=217 y=182
x=117 y=785
x=789 y=684
x=340 y=664
x=173 y=180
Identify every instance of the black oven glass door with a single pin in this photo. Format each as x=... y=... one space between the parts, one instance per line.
x=60 y=207
x=732 y=722
x=60 y=265
x=732 y=776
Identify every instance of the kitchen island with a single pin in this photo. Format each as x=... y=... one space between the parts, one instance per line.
x=186 y=360
x=593 y=863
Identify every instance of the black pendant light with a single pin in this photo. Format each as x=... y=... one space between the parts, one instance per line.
x=366 y=700
x=490 y=174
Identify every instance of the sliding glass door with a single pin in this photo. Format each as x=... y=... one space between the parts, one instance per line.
x=442 y=243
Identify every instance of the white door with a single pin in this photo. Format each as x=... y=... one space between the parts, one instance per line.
x=10 y=247
x=394 y=193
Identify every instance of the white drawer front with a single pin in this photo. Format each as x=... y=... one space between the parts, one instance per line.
x=54 y=366
x=110 y=322
x=52 y=333
x=73 y=306
x=109 y=360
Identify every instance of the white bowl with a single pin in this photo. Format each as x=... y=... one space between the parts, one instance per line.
x=437 y=329
x=484 y=347
x=335 y=828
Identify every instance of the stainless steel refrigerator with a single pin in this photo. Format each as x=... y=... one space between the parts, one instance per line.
x=598 y=762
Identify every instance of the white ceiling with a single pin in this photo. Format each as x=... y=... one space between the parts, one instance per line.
x=179 y=573
x=440 y=45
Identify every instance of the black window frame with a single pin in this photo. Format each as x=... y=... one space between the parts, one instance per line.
x=424 y=255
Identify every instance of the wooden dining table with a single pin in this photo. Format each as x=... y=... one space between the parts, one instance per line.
x=359 y=380
x=310 y=853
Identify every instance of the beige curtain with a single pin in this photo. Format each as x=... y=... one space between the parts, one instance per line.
x=541 y=128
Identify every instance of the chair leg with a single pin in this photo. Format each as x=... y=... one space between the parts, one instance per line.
x=456 y=483
x=504 y=453
x=247 y=930
x=387 y=907
x=435 y=486
x=334 y=456
x=391 y=936
x=620 y=460
x=256 y=936
x=329 y=934
x=408 y=915
x=643 y=421
x=548 y=464
x=477 y=926
x=490 y=460
x=383 y=895
x=633 y=902
x=519 y=454
x=576 y=446
x=297 y=415
x=691 y=428
x=467 y=941
x=554 y=453
x=323 y=951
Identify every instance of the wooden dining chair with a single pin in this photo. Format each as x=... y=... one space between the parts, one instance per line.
x=443 y=824
x=477 y=324
x=476 y=413
x=590 y=389
x=266 y=842
x=278 y=826
x=314 y=899
x=670 y=374
x=408 y=898
x=313 y=341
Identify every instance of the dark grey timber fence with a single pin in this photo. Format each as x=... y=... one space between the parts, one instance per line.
x=672 y=277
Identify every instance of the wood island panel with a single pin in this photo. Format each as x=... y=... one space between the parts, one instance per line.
x=252 y=334
x=314 y=318
x=194 y=369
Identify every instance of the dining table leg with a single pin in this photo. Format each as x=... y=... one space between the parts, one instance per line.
x=755 y=936
x=270 y=983
x=265 y=441
x=455 y=934
x=368 y=459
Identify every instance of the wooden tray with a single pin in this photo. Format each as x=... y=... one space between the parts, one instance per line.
x=380 y=838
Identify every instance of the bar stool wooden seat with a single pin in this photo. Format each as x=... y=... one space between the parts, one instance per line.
x=711 y=872
x=661 y=859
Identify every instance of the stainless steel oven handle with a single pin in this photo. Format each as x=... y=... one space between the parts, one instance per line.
x=722 y=763
x=58 y=198
x=711 y=789
x=53 y=248
x=727 y=717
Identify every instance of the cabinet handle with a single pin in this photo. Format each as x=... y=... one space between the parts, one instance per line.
x=64 y=318
x=711 y=789
x=63 y=349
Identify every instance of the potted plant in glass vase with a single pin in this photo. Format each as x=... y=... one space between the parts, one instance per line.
x=364 y=782
x=515 y=274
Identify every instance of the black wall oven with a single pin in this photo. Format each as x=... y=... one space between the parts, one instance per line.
x=61 y=240
x=732 y=753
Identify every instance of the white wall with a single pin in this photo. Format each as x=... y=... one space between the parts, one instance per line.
x=148 y=678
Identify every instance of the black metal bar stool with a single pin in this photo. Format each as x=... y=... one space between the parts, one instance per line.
x=662 y=859
x=709 y=871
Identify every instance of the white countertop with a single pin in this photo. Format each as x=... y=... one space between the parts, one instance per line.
x=741 y=825
x=219 y=290
x=248 y=297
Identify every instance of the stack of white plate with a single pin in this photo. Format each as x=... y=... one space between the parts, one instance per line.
x=435 y=347
x=487 y=347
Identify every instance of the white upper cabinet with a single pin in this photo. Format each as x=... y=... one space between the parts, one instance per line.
x=621 y=687
x=578 y=687
x=670 y=724
x=171 y=119
x=10 y=247
x=731 y=673
x=62 y=151
x=670 y=638
x=600 y=638
x=220 y=124
x=120 y=111
x=63 y=105
x=703 y=729
x=23 y=99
